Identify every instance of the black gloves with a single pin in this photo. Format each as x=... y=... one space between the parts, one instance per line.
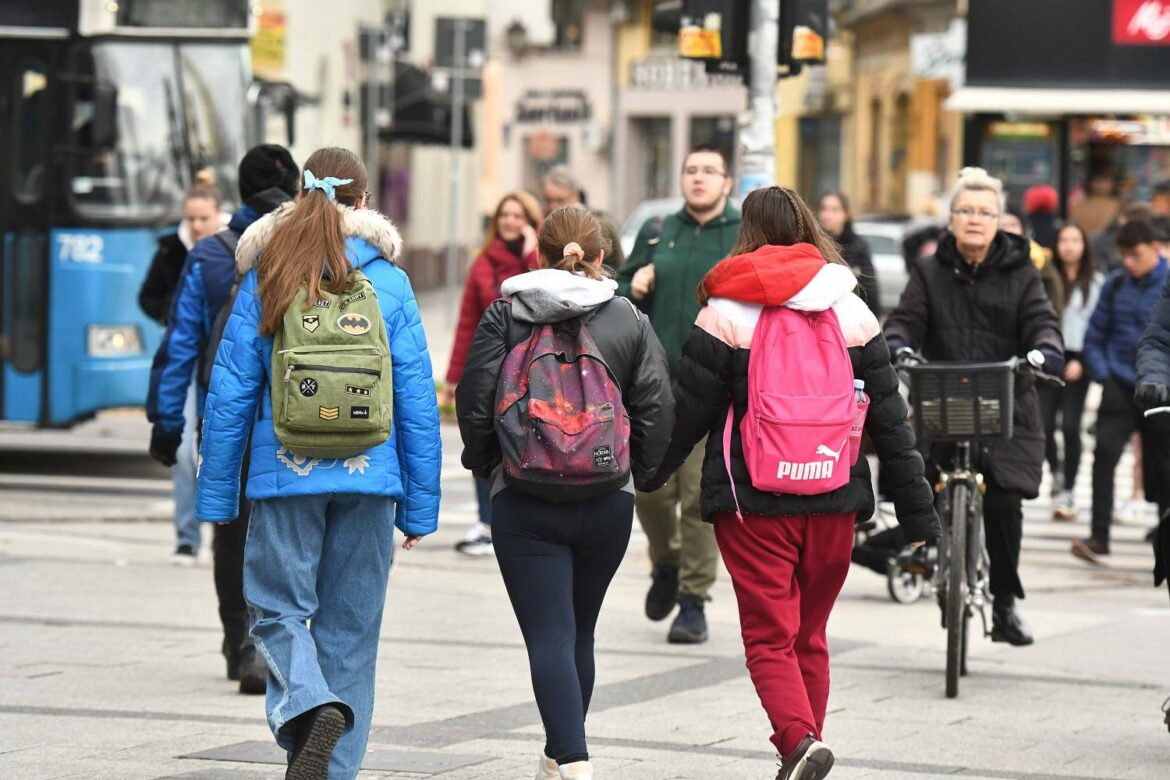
x=1150 y=395
x=163 y=445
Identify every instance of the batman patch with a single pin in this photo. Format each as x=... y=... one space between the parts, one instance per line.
x=354 y=324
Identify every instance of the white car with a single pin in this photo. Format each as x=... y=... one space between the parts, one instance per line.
x=644 y=211
x=885 y=245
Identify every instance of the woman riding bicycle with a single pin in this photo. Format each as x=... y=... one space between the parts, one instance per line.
x=980 y=298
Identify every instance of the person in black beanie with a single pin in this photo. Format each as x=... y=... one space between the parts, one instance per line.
x=268 y=178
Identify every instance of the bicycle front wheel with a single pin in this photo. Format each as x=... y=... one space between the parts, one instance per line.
x=956 y=580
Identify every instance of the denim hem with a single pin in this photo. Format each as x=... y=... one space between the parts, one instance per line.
x=294 y=706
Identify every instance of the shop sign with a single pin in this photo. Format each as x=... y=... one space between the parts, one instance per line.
x=541 y=106
x=1020 y=130
x=269 y=42
x=672 y=73
x=1149 y=131
x=941 y=55
x=1141 y=22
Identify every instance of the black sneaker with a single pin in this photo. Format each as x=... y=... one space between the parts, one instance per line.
x=184 y=555
x=317 y=732
x=690 y=627
x=663 y=593
x=811 y=760
x=253 y=671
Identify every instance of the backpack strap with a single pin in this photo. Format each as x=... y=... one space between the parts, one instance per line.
x=229 y=239
x=727 y=457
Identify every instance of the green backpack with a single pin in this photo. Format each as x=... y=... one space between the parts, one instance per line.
x=331 y=381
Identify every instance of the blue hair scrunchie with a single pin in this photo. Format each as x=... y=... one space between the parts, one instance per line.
x=326 y=184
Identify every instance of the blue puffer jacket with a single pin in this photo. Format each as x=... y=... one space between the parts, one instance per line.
x=406 y=467
x=204 y=286
x=1122 y=314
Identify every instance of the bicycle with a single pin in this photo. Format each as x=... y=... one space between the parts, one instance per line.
x=966 y=404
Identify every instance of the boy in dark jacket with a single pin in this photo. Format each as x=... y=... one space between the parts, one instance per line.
x=1124 y=311
x=268 y=177
x=661 y=275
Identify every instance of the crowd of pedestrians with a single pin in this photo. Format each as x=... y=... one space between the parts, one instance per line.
x=717 y=383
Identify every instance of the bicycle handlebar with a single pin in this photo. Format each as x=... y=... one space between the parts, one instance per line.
x=906 y=359
x=1157 y=410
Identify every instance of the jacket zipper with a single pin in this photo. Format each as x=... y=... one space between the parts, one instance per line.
x=335 y=369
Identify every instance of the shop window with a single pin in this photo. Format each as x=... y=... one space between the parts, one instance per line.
x=29 y=130
x=569 y=18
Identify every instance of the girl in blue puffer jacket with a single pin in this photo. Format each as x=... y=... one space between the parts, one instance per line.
x=321 y=537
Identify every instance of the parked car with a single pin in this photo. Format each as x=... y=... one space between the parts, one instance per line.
x=646 y=210
x=885 y=244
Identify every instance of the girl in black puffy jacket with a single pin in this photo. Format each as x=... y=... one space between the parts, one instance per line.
x=788 y=554
x=558 y=557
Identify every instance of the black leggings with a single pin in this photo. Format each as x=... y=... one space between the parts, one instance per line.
x=557 y=561
x=1068 y=403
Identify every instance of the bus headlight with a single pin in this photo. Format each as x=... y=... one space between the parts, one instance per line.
x=113 y=340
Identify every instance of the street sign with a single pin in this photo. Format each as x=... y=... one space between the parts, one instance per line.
x=465 y=60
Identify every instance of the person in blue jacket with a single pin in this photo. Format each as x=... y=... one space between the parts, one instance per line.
x=268 y=177
x=1126 y=308
x=321 y=534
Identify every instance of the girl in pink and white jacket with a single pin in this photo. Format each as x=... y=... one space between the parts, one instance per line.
x=789 y=554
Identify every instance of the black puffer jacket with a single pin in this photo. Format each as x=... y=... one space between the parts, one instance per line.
x=622 y=334
x=856 y=253
x=953 y=311
x=713 y=372
x=163 y=278
x=1153 y=360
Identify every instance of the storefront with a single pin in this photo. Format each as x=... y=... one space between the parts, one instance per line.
x=667 y=106
x=1089 y=97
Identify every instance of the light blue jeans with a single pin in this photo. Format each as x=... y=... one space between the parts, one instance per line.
x=315 y=576
x=183 y=478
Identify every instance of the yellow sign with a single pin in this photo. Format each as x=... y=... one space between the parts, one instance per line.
x=268 y=43
x=807 y=45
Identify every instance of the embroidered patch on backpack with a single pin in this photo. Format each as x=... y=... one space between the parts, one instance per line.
x=330 y=413
x=361 y=392
x=310 y=322
x=352 y=299
x=308 y=387
x=603 y=457
x=354 y=324
x=359 y=412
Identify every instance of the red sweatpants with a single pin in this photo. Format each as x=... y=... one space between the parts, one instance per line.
x=787 y=572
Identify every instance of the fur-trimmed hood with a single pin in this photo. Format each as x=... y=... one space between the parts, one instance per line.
x=366 y=224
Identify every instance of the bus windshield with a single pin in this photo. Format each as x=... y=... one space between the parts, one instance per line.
x=180 y=107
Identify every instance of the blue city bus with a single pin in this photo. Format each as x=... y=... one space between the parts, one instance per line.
x=107 y=110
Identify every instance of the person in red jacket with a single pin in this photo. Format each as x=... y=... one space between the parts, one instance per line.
x=509 y=250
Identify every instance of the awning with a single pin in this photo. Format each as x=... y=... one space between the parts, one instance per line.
x=1047 y=101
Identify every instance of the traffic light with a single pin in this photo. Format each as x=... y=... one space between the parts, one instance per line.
x=804 y=29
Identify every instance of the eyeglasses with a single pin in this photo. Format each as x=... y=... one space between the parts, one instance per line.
x=704 y=172
x=966 y=213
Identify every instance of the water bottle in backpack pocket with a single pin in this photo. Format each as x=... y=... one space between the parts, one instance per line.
x=857 y=430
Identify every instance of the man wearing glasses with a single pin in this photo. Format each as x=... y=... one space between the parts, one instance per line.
x=669 y=259
x=978 y=299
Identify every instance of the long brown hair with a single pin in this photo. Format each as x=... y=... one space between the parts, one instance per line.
x=528 y=204
x=1086 y=268
x=777 y=216
x=307 y=248
x=573 y=224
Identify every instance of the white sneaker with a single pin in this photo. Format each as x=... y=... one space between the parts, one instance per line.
x=1064 y=507
x=578 y=770
x=184 y=555
x=547 y=769
x=1132 y=512
x=477 y=541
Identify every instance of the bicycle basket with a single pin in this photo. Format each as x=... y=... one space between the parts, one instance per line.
x=962 y=401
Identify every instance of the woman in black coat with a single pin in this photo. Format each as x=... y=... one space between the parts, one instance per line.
x=837 y=219
x=201 y=218
x=980 y=298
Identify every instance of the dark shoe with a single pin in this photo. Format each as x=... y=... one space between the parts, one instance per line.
x=1008 y=626
x=663 y=594
x=1166 y=710
x=185 y=555
x=317 y=732
x=690 y=627
x=1089 y=550
x=253 y=671
x=811 y=760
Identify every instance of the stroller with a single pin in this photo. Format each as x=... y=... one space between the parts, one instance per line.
x=880 y=546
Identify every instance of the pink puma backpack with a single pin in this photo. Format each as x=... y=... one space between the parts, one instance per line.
x=800 y=406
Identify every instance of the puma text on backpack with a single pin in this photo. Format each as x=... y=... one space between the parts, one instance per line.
x=800 y=405
x=331 y=380
x=564 y=432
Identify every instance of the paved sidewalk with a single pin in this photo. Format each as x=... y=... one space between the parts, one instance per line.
x=110 y=668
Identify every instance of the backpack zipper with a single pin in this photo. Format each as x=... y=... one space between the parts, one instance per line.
x=335 y=369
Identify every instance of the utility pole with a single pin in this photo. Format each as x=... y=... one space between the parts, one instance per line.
x=457 y=77
x=758 y=134
x=373 y=36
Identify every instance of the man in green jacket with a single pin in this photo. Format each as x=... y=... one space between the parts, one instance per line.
x=669 y=259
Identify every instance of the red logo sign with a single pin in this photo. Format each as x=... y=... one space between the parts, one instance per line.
x=1141 y=22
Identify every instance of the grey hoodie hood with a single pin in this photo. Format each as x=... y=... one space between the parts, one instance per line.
x=551 y=295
